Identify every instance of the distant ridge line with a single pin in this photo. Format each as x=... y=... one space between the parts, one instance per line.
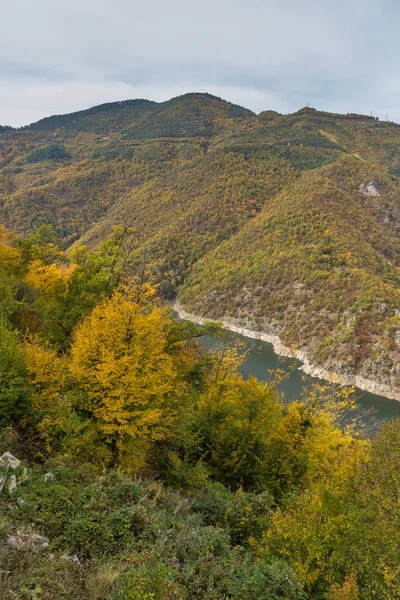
x=58 y=120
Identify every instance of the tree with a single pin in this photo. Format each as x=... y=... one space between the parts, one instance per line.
x=14 y=390
x=348 y=591
x=125 y=377
x=225 y=428
x=69 y=287
x=236 y=418
x=10 y=267
x=316 y=473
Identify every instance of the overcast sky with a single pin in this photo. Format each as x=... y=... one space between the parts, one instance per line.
x=58 y=56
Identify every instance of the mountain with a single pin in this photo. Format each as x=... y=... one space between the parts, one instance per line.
x=287 y=224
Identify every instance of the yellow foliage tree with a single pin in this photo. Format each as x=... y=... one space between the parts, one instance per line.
x=48 y=378
x=47 y=372
x=231 y=421
x=285 y=462
x=310 y=527
x=237 y=419
x=125 y=376
x=348 y=591
x=49 y=280
x=10 y=257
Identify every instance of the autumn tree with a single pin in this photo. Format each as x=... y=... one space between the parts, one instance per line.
x=10 y=270
x=348 y=591
x=52 y=414
x=42 y=245
x=225 y=429
x=371 y=548
x=68 y=287
x=125 y=377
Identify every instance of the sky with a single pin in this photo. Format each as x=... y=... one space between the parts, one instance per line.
x=58 y=56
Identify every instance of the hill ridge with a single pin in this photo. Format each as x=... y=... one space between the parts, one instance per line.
x=264 y=217
x=134 y=102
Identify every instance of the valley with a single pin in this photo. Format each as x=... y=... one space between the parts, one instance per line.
x=287 y=225
x=143 y=456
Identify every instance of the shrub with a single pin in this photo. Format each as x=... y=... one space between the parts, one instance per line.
x=244 y=515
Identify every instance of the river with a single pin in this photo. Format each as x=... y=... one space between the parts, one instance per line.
x=262 y=358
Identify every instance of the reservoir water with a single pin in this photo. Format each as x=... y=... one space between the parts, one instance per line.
x=262 y=358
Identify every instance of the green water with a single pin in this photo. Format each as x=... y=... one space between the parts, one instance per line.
x=373 y=409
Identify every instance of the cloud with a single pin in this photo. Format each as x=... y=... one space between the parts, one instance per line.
x=338 y=55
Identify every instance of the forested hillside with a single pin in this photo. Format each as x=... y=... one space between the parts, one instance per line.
x=136 y=466
x=282 y=223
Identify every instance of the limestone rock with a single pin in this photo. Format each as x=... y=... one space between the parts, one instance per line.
x=12 y=484
x=8 y=458
x=39 y=540
x=72 y=558
x=25 y=540
x=13 y=541
x=3 y=477
x=369 y=189
x=4 y=466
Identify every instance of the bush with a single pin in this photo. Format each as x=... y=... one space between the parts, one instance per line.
x=151 y=580
x=260 y=581
x=244 y=515
x=95 y=534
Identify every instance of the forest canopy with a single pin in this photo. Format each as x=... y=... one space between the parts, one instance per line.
x=152 y=469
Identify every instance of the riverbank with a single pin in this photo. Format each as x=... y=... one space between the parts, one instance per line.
x=367 y=385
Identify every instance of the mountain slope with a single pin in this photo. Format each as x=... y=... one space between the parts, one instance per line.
x=319 y=266
x=287 y=223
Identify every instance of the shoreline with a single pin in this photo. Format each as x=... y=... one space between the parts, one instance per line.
x=364 y=384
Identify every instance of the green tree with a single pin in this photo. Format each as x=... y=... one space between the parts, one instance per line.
x=14 y=388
